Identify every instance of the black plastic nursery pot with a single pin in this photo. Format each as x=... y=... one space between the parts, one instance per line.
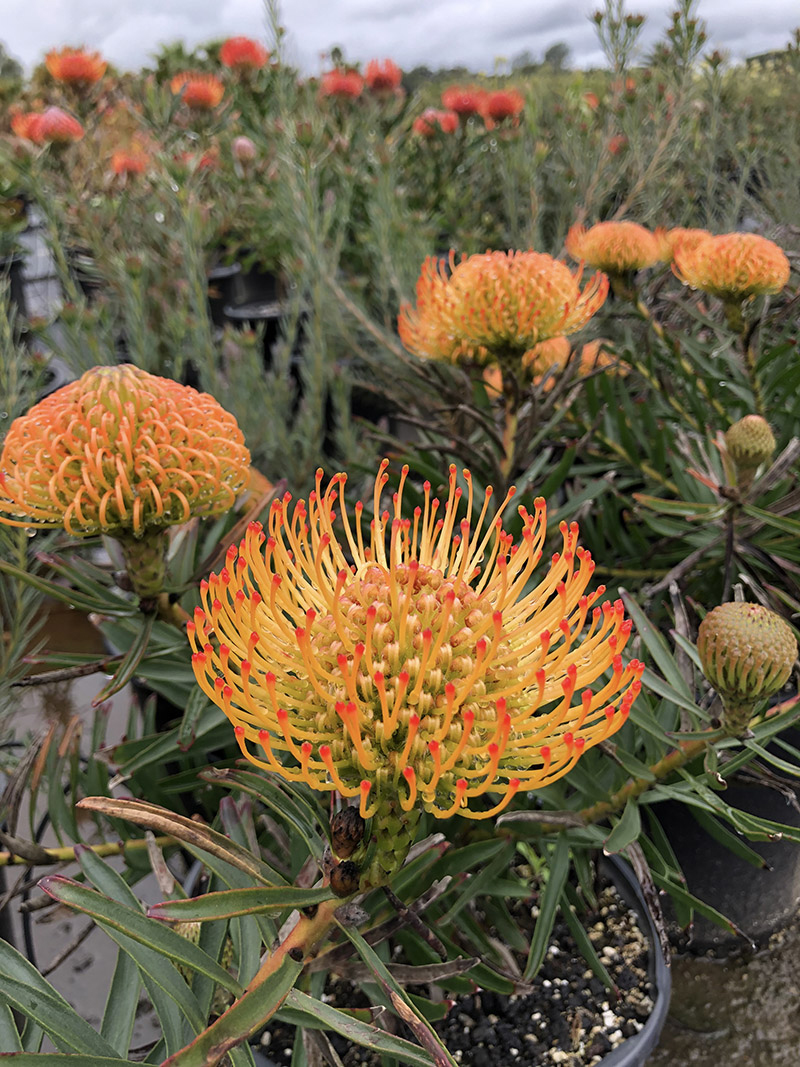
x=758 y=900
x=480 y=1051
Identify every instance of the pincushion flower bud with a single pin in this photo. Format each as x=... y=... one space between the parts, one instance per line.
x=200 y=92
x=495 y=306
x=124 y=453
x=750 y=442
x=243 y=149
x=243 y=54
x=747 y=653
x=418 y=667
x=58 y=127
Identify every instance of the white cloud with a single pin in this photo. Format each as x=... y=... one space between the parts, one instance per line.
x=434 y=32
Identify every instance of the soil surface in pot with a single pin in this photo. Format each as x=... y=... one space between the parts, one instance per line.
x=568 y=1018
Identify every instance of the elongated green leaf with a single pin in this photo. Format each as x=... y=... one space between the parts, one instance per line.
x=10 y=1041
x=122 y=1004
x=779 y=522
x=60 y=1022
x=569 y=903
x=163 y=821
x=731 y=841
x=685 y=508
x=232 y=902
x=776 y=761
x=195 y=706
x=66 y=595
x=656 y=646
x=420 y=1026
x=626 y=830
x=58 y=1059
x=250 y=1013
x=301 y=1010
x=557 y=872
x=129 y=663
x=137 y=926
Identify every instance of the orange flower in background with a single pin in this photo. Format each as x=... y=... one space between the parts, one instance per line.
x=128 y=162
x=592 y=100
x=495 y=304
x=201 y=92
x=419 y=665
x=426 y=123
x=383 y=76
x=464 y=100
x=58 y=127
x=344 y=84
x=615 y=247
x=502 y=104
x=243 y=54
x=121 y=451
x=680 y=236
x=27 y=125
x=74 y=66
x=733 y=266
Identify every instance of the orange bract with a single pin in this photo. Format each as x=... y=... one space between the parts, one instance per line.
x=121 y=450
x=416 y=665
x=615 y=247
x=243 y=54
x=201 y=92
x=494 y=304
x=74 y=66
x=733 y=266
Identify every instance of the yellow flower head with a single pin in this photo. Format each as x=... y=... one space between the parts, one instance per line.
x=733 y=266
x=615 y=247
x=121 y=452
x=494 y=305
x=419 y=665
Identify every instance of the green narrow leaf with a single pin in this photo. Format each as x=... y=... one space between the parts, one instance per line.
x=10 y=1041
x=304 y=1011
x=58 y=1059
x=557 y=872
x=569 y=906
x=197 y=703
x=730 y=840
x=251 y=1012
x=122 y=1004
x=230 y=903
x=627 y=829
x=129 y=663
x=60 y=1022
x=657 y=647
x=420 y=1026
x=135 y=925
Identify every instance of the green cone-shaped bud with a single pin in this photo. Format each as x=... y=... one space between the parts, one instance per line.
x=392 y=834
x=750 y=442
x=747 y=653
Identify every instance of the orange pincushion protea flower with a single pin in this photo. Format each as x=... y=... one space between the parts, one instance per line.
x=495 y=304
x=243 y=54
x=502 y=104
x=425 y=124
x=200 y=92
x=346 y=84
x=415 y=669
x=615 y=247
x=121 y=451
x=127 y=162
x=464 y=100
x=685 y=237
x=58 y=127
x=383 y=76
x=28 y=125
x=733 y=266
x=75 y=66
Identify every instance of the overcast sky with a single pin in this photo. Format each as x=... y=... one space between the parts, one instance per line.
x=439 y=33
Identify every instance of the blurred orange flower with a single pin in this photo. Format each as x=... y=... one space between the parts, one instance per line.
x=419 y=666
x=733 y=266
x=27 y=124
x=500 y=105
x=495 y=304
x=201 y=92
x=680 y=236
x=615 y=247
x=243 y=54
x=59 y=127
x=127 y=162
x=383 y=76
x=74 y=66
x=426 y=123
x=464 y=100
x=345 y=84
